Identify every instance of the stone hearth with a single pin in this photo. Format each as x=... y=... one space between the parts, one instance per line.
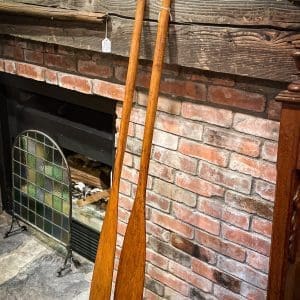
x=29 y=261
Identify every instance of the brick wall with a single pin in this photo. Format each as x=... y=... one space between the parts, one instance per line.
x=212 y=172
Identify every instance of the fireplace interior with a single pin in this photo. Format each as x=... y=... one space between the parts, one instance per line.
x=84 y=127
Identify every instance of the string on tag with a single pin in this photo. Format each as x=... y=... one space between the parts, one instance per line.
x=106 y=43
x=167 y=9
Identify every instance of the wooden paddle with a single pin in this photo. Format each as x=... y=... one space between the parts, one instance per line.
x=130 y=278
x=104 y=264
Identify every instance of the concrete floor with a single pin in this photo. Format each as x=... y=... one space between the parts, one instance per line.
x=28 y=265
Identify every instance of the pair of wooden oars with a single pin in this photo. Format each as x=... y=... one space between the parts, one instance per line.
x=130 y=278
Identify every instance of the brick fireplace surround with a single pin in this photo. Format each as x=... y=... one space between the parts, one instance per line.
x=212 y=173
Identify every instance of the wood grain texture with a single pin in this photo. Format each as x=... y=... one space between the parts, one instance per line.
x=283 y=14
x=258 y=53
x=93 y=198
x=288 y=152
x=131 y=270
x=50 y=13
x=104 y=264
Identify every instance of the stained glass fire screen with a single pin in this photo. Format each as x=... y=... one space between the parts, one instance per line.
x=42 y=185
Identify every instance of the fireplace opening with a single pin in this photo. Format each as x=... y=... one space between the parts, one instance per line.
x=84 y=128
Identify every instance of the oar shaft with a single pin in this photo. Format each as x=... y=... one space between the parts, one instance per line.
x=131 y=272
x=104 y=264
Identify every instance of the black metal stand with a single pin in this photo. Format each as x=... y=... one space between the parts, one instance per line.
x=13 y=231
x=67 y=266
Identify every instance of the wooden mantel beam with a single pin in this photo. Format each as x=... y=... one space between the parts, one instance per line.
x=50 y=13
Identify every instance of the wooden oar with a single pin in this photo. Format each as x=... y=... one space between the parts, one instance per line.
x=130 y=278
x=104 y=264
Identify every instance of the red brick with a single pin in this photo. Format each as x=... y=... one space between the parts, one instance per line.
x=274 y=110
x=165 y=104
x=161 y=171
x=34 y=45
x=225 y=177
x=123 y=215
x=179 y=126
x=199 y=186
x=128 y=159
x=196 y=219
x=205 y=152
x=10 y=67
x=148 y=295
x=1 y=65
x=265 y=190
x=269 y=151
x=247 y=239
x=31 y=71
x=258 y=261
x=211 y=207
x=158 y=231
x=131 y=128
x=34 y=56
x=236 y=98
x=225 y=294
x=175 y=159
x=76 y=83
x=107 y=89
x=252 y=293
x=256 y=126
x=216 y=116
x=172 y=295
x=157 y=201
x=94 y=68
x=175 y=193
x=121 y=228
x=8 y=51
x=253 y=167
x=18 y=53
x=157 y=259
x=262 y=226
x=130 y=174
x=138 y=115
x=222 y=246
x=172 y=224
x=164 y=139
x=232 y=141
x=169 y=280
x=186 y=275
x=222 y=81
x=125 y=187
x=183 y=88
x=125 y=202
x=249 y=204
x=59 y=61
x=236 y=218
x=243 y=271
x=51 y=77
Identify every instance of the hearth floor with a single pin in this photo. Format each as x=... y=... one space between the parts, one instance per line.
x=28 y=264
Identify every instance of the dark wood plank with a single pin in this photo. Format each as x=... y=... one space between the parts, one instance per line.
x=50 y=13
x=283 y=14
x=258 y=53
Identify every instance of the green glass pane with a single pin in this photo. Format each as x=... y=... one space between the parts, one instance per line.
x=31 y=217
x=48 y=213
x=39 y=221
x=48 y=170
x=57 y=173
x=24 y=212
x=40 y=180
x=65 y=236
x=23 y=144
x=57 y=203
x=31 y=146
x=48 y=184
x=40 y=208
x=47 y=227
x=17 y=195
x=40 y=150
x=24 y=200
x=66 y=207
x=58 y=189
x=65 y=223
x=17 y=168
x=48 y=199
x=31 y=175
x=49 y=154
x=40 y=194
x=65 y=193
x=57 y=218
x=65 y=177
x=32 y=204
x=56 y=232
x=31 y=190
x=39 y=165
x=31 y=161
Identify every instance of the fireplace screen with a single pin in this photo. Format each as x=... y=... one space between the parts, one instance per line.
x=42 y=185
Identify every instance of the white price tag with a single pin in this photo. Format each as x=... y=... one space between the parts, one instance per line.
x=106 y=45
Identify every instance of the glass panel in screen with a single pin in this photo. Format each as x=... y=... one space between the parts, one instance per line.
x=41 y=184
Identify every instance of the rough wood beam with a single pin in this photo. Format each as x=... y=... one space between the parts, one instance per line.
x=50 y=13
x=257 y=53
x=281 y=14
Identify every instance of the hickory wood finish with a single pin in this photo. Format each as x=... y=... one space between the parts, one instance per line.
x=196 y=46
x=104 y=264
x=51 y=13
x=283 y=13
x=131 y=270
x=93 y=198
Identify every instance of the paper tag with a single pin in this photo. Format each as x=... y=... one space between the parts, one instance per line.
x=106 y=45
